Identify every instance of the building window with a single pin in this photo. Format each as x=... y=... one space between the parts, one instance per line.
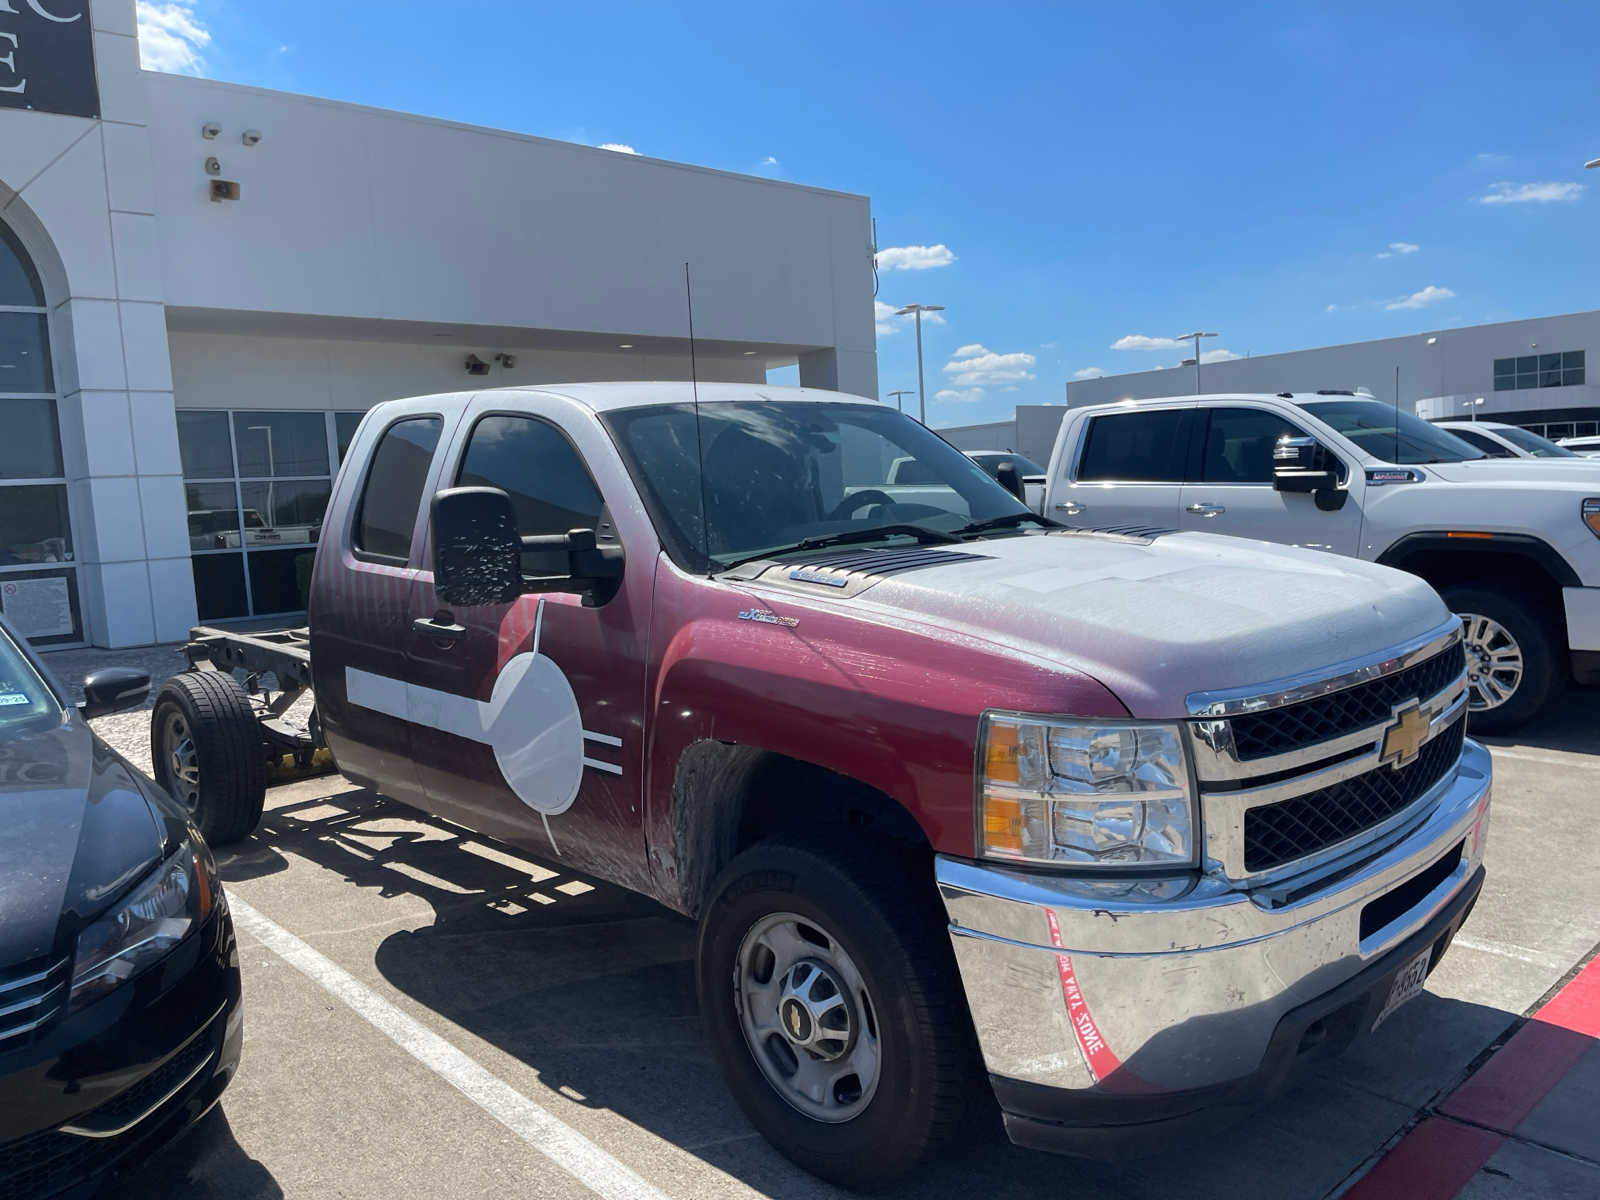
x=256 y=484
x=1565 y=369
x=38 y=571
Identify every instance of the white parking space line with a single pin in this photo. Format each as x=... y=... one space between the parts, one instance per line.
x=1536 y=958
x=557 y=1141
x=1580 y=762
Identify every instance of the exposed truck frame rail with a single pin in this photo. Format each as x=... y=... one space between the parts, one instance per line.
x=285 y=655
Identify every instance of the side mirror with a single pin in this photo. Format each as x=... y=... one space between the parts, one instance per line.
x=1011 y=479
x=113 y=689
x=1303 y=464
x=477 y=555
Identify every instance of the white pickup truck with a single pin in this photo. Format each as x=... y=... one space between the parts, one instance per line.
x=1512 y=546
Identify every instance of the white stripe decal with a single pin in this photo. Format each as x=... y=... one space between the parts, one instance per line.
x=602 y=766
x=546 y=1133
x=605 y=739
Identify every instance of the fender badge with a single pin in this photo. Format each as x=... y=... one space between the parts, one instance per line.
x=768 y=618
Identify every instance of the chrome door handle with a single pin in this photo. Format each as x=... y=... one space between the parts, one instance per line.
x=1207 y=510
x=435 y=629
x=1071 y=507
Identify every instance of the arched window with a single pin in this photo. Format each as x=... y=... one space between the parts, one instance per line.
x=38 y=578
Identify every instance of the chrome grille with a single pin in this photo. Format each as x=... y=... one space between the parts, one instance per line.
x=1259 y=735
x=1304 y=772
x=1280 y=833
x=30 y=996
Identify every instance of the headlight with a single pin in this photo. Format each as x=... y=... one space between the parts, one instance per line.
x=175 y=900
x=1081 y=794
x=1591 y=516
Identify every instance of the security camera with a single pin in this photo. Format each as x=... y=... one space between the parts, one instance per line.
x=476 y=365
x=210 y=130
x=506 y=360
x=250 y=137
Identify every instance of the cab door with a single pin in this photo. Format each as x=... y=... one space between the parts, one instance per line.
x=527 y=717
x=1232 y=490
x=1128 y=470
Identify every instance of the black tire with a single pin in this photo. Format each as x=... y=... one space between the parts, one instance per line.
x=1522 y=618
x=226 y=800
x=879 y=902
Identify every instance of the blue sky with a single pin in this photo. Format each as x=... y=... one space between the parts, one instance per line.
x=1075 y=176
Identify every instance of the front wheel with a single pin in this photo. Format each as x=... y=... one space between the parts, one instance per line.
x=1511 y=656
x=833 y=1006
x=206 y=749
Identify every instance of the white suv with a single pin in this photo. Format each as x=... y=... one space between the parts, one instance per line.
x=1506 y=441
x=1513 y=546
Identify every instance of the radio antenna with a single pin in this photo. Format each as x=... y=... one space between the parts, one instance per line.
x=699 y=445
x=1397 y=412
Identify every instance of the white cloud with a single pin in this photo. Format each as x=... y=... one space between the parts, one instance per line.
x=963 y=396
x=172 y=38
x=1331 y=308
x=619 y=147
x=914 y=258
x=1428 y=295
x=1211 y=356
x=770 y=160
x=1088 y=373
x=1399 y=248
x=978 y=367
x=883 y=317
x=1138 y=341
x=1531 y=193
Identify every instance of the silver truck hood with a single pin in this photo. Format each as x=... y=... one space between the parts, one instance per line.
x=1532 y=471
x=1156 y=619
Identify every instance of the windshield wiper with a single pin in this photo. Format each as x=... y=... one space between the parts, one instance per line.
x=1009 y=521
x=847 y=537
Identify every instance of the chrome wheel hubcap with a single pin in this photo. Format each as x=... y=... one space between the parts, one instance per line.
x=807 y=1017
x=182 y=760
x=1494 y=662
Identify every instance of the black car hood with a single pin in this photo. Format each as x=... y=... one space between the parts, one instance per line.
x=78 y=827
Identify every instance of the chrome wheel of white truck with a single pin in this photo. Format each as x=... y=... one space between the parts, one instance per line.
x=1511 y=659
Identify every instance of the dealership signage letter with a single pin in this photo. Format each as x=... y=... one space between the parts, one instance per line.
x=47 y=57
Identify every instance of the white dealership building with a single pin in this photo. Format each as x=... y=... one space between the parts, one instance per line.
x=203 y=286
x=1532 y=373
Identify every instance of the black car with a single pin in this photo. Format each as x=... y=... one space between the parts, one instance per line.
x=119 y=974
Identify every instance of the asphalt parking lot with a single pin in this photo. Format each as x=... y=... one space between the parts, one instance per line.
x=429 y=1014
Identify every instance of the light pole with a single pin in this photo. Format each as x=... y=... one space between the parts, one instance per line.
x=922 y=395
x=1473 y=405
x=1195 y=337
x=899 y=403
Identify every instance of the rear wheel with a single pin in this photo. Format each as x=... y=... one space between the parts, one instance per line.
x=207 y=752
x=1511 y=656
x=833 y=1005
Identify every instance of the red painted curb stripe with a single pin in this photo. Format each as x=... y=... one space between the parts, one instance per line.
x=1508 y=1087
x=1433 y=1162
x=1511 y=1084
x=1576 y=1006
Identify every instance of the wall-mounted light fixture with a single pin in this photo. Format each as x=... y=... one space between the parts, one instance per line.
x=251 y=137
x=210 y=131
x=476 y=365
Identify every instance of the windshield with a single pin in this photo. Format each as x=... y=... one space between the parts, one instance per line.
x=1396 y=437
x=24 y=698
x=1534 y=444
x=778 y=473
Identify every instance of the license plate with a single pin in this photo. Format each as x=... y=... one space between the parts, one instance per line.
x=1407 y=985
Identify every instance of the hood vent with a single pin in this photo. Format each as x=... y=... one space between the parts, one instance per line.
x=1147 y=533
x=849 y=571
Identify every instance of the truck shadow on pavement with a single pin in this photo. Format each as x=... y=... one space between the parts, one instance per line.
x=592 y=987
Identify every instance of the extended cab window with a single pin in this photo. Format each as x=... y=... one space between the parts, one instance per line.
x=533 y=463
x=1239 y=444
x=388 y=508
x=1135 y=447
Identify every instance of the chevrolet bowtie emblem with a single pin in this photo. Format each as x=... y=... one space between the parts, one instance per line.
x=1402 y=741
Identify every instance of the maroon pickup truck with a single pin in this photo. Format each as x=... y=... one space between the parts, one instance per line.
x=1128 y=821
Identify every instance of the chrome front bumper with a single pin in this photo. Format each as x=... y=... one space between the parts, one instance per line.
x=1092 y=992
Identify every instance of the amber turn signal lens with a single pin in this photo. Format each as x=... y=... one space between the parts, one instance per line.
x=1591 y=516
x=1002 y=823
x=1000 y=756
